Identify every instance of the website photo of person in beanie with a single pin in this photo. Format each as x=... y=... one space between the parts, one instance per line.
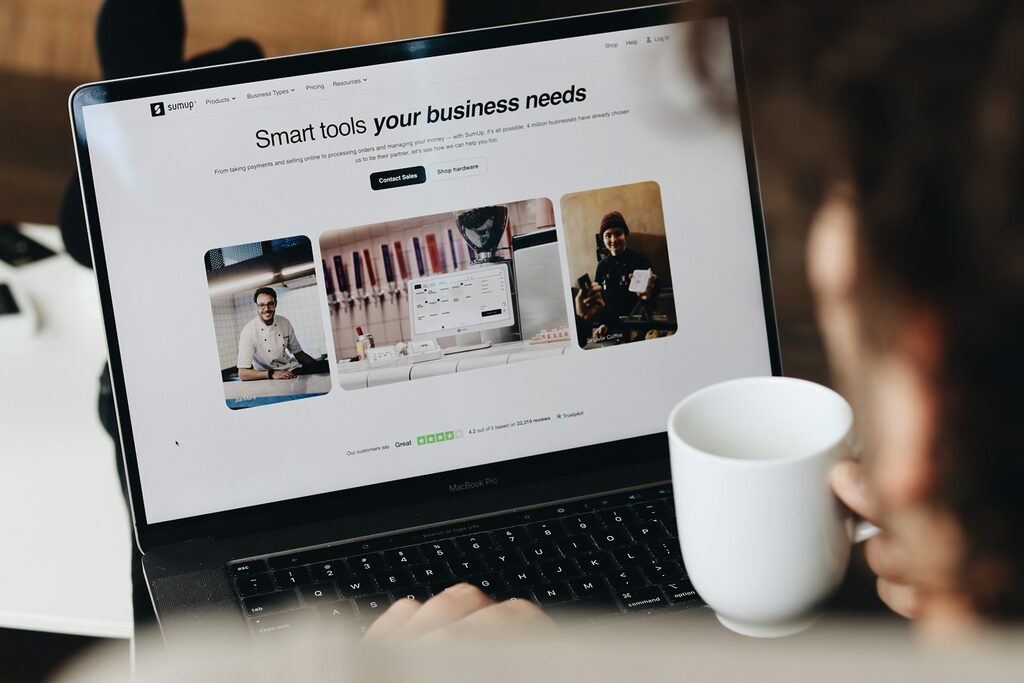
x=618 y=235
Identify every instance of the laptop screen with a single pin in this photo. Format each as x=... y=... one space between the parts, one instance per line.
x=351 y=277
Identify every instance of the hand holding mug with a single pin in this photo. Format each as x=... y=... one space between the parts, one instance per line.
x=884 y=555
x=764 y=540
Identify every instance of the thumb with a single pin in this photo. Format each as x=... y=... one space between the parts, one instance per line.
x=850 y=485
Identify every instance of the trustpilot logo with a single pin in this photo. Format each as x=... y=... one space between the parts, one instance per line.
x=156 y=109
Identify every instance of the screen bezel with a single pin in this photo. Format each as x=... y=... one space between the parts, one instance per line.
x=518 y=471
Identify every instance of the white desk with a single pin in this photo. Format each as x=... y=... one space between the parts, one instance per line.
x=64 y=527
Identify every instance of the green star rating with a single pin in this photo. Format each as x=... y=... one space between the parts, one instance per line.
x=438 y=437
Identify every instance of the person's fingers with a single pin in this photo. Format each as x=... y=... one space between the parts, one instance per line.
x=450 y=605
x=888 y=559
x=511 y=617
x=901 y=598
x=395 y=616
x=849 y=484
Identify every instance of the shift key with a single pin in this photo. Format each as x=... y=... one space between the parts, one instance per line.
x=270 y=603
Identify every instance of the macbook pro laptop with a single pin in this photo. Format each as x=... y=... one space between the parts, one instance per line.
x=386 y=318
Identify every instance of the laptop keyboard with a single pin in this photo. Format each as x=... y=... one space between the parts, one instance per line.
x=587 y=559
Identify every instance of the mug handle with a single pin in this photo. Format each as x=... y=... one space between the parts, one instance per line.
x=863 y=530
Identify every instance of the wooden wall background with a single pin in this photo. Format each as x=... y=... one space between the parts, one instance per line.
x=54 y=38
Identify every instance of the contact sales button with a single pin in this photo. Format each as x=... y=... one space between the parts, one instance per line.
x=458 y=169
x=414 y=175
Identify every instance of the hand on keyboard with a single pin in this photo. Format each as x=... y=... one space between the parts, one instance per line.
x=459 y=611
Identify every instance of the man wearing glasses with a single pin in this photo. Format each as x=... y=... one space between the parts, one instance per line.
x=268 y=347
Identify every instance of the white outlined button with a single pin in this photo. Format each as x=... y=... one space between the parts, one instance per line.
x=458 y=169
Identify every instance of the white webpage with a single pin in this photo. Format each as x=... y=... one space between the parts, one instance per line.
x=294 y=157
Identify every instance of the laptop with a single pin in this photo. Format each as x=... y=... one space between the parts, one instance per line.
x=386 y=318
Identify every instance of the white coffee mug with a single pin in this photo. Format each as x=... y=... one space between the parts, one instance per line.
x=764 y=539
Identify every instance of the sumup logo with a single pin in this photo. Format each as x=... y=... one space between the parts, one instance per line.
x=156 y=109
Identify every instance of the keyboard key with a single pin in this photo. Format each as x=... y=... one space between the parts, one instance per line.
x=630 y=497
x=403 y=557
x=468 y=566
x=440 y=586
x=589 y=586
x=642 y=599
x=646 y=532
x=553 y=593
x=254 y=585
x=558 y=570
x=616 y=518
x=666 y=549
x=545 y=550
x=298 y=559
x=502 y=560
x=661 y=572
x=523 y=576
x=367 y=563
x=286 y=561
x=654 y=511
x=489 y=583
x=247 y=568
x=329 y=571
x=632 y=556
x=419 y=593
x=582 y=524
x=583 y=609
x=597 y=563
x=318 y=593
x=371 y=606
x=431 y=572
x=546 y=531
x=395 y=581
x=344 y=609
x=270 y=603
x=613 y=538
x=670 y=525
x=342 y=617
x=355 y=586
x=576 y=545
x=510 y=538
x=627 y=579
x=681 y=593
x=554 y=512
x=439 y=550
x=475 y=545
x=292 y=578
x=275 y=624
x=517 y=593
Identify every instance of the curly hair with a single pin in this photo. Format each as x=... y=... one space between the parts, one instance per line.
x=920 y=108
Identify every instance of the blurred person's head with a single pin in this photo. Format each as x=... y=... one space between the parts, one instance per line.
x=614 y=232
x=896 y=130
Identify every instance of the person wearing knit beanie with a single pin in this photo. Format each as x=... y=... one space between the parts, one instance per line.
x=613 y=219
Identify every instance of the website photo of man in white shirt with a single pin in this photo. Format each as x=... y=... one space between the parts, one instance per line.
x=268 y=347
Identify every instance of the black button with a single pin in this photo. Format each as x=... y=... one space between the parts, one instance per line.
x=414 y=175
x=641 y=599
